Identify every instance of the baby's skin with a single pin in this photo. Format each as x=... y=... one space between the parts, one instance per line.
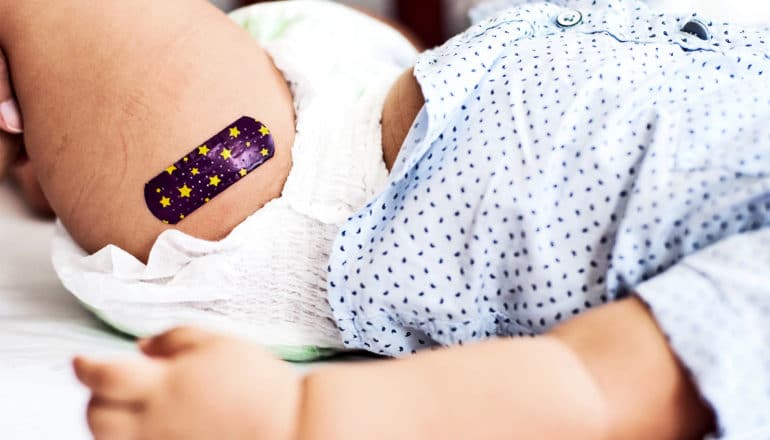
x=106 y=110
x=588 y=379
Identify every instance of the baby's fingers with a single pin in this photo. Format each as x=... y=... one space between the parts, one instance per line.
x=111 y=421
x=127 y=381
x=176 y=341
x=10 y=115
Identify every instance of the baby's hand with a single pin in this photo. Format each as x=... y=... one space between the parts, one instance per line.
x=192 y=385
x=10 y=121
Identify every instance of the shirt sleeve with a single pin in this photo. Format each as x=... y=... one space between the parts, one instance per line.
x=714 y=306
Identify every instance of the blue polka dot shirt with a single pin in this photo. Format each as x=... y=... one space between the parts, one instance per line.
x=569 y=154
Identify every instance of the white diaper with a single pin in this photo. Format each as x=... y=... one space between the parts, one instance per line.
x=267 y=279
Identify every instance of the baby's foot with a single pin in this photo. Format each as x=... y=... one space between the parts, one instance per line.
x=192 y=385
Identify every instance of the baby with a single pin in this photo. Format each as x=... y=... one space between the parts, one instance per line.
x=586 y=171
x=336 y=166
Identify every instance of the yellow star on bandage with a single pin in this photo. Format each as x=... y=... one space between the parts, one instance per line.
x=165 y=202
x=226 y=154
x=243 y=172
x=204 y=150
x=185 y=191
x=264 y=131
x=214 y=181
x=170 y=170
x=195 y=171
x=265 y=152
x=234 y=132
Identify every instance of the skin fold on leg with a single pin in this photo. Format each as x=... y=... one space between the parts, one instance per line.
x=113 y=92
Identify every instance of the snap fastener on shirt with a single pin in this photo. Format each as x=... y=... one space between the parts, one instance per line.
x=569 y=18
x=697 y=28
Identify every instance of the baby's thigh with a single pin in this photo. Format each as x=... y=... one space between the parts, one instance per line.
x=113 y=92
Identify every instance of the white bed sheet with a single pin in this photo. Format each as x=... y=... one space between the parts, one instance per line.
x=41 y=328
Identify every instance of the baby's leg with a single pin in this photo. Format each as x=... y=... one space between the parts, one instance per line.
x=113 y=92
x=29 y=188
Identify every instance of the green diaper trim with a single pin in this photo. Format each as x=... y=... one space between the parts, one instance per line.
x=299 y=353
x=302 y=353
x=265 y=28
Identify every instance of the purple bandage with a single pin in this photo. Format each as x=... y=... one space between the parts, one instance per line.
x=208 y=170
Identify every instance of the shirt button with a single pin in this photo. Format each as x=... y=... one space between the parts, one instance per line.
x=569 y=18
x=697 y=28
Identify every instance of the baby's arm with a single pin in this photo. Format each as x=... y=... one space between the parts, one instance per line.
x=608 y=374
x=605 y=375
x=113 y=92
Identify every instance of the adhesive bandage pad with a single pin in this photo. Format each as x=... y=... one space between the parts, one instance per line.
x=209 y=170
